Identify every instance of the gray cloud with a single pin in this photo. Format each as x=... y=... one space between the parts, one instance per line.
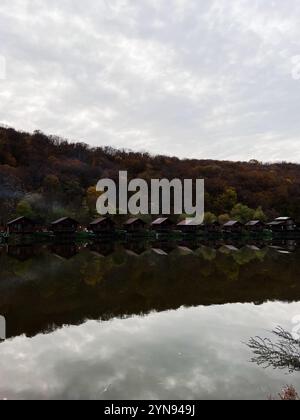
x=208 y=79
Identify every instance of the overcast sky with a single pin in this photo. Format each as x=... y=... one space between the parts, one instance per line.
x=194 y=78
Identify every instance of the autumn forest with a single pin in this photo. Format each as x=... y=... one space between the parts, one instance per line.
x=46 y=177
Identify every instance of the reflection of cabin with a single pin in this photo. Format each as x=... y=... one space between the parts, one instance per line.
x=255 y=226
x=283 y=224
x=163 y=224
x=134 y=225
x=65 y=251
x=103 y=249
x=165 y=246
x=189 y=226
x=136 y=248
x=21 y=253
x=65 y=225
x=233 y=226
x=21 y=225
x=104 y=225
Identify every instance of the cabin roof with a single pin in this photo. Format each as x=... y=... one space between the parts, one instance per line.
x=19 y=219
x=283 y=219
x=232 y=223
x=189 y=222
x=133 y=220
x=254 y=223
x=160 y=221
x=100 y=220
x=276 y=223
x=64 y=219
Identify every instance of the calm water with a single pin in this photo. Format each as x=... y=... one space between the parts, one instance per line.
x=144 y=320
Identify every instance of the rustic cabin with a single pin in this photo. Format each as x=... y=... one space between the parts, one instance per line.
x=189 y=226
x=104 y=225
x=233 y=226
x=214 y=227
x=21 y=225
x=255 y=226
x=134 y=225
x=163 y=224
x=64 y=226
x=283 y=224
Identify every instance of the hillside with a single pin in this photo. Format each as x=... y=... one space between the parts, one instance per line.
x=46 y=177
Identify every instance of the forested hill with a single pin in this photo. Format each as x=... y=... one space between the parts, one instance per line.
x=47 y=177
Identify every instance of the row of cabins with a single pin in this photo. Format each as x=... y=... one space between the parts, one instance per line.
x=105 y=225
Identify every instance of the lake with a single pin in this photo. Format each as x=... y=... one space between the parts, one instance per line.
x=145 y=320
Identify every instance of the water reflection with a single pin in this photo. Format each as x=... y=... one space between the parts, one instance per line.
x=190 y=353
x=45 y=287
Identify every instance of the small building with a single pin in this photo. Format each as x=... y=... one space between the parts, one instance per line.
x=104 y=225
x=21 y=225
x=283 y=224
x=134 y=225
x=255 y=226
x=163 y=224
x=214 y=227
x=233 y=226
x=189 y=226
x=65 y=225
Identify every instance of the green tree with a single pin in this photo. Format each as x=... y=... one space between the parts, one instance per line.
x=24 y=209
x=210 y=218
x=227 y=200
x=242 y=213
x=260 y=215
x=224 y=218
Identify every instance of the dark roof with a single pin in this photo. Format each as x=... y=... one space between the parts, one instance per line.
x=189 y=222
x=276 y=223
x=254 y=223
x=232 y=223
x=134 y=220
x=64 y=219
x=100 y=220
x=160 y=221
x=19 y=219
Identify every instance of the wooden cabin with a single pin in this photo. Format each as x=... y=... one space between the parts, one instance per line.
x=134 y=225
x=163 y=224
x=65 y=225
x=283 y=224
x=189 y=226
x=255 y=226
x=21 y=225
x=233 y=226
x=104 y=225
x=210 y=228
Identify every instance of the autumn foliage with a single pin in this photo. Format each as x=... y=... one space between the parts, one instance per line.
x=47 y=177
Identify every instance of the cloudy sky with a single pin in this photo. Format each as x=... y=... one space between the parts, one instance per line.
x=210 y=79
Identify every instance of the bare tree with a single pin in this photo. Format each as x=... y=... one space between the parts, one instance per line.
x=283 y=354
